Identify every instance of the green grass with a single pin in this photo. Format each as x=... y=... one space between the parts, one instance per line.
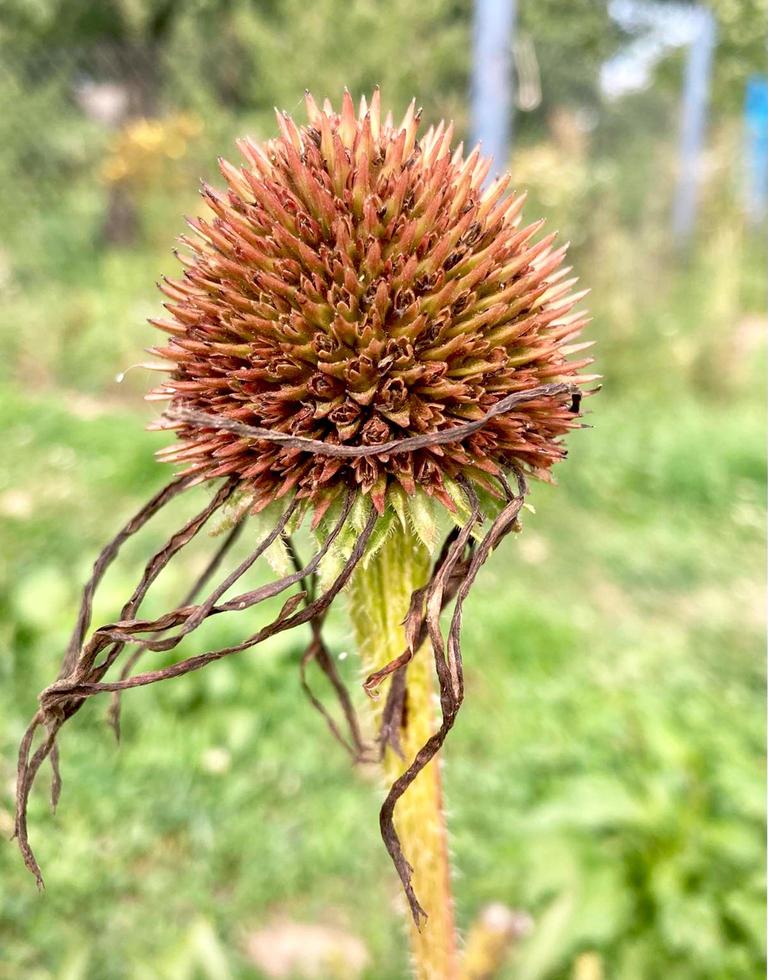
x=603 y=774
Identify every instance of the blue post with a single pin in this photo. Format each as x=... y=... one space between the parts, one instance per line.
x=698 y=72
x=756 y=150
x=492 y=106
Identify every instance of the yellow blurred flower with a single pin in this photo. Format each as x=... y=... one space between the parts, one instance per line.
x=138 y=152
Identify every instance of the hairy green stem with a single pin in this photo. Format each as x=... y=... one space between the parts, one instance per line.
x=379 y=598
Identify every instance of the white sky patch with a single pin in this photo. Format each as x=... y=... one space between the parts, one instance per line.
x=660 y=28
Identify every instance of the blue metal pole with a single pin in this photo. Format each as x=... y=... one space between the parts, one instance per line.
x=492 y=105
x=756 y=151
x=698 y=72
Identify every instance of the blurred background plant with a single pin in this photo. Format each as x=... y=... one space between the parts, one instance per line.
x=605 y=777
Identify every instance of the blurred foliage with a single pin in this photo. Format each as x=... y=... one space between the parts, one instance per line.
x=571 y=41
x=604 y=773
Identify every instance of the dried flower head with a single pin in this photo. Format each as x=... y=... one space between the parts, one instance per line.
x=358 y=287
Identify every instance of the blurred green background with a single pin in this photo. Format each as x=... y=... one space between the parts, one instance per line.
x=605 y=776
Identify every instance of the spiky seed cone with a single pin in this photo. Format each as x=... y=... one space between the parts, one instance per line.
x=355 y=286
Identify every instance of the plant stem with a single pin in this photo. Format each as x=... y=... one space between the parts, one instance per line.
x=379 y=599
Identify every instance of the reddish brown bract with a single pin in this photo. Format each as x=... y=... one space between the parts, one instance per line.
x=358 y=286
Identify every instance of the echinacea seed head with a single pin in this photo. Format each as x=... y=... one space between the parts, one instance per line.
x=358 y=286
